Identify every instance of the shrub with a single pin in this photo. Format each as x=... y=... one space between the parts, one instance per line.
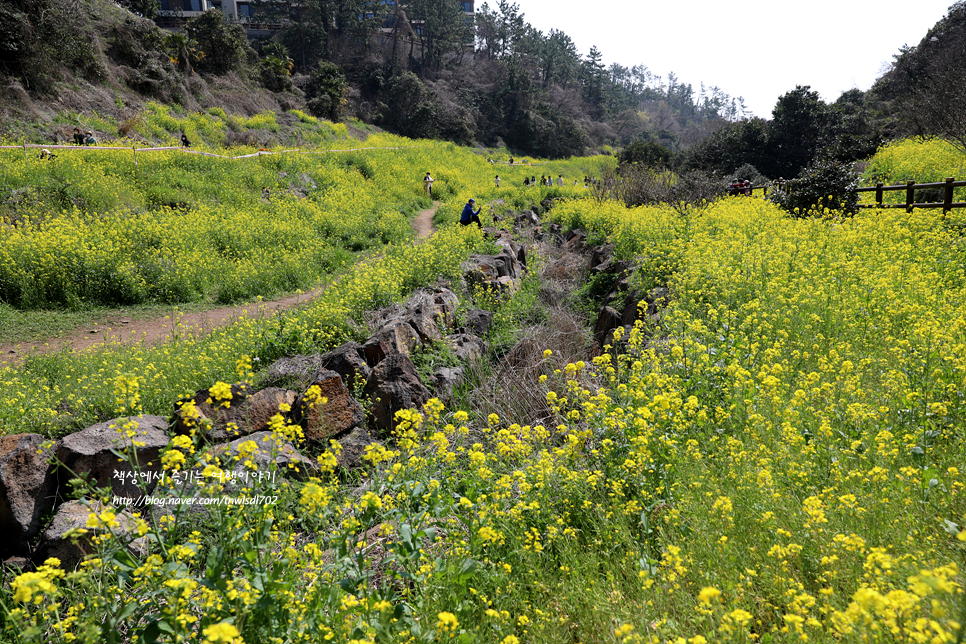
x=225 y=47
x=646 y=153
x=639 y=185
x=824 y=184
x=326 y=91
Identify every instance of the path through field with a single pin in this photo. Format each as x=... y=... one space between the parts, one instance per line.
x=119 y=329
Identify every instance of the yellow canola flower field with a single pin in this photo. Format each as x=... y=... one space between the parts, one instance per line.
x=778 y=458
x=91 y=228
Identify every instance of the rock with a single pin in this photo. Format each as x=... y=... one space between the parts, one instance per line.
x=205 y=412
x=17 y=564
x=353 y=447
x=631 y=310
x=446 y=379
x=478 y=321
x=399 y=336
x=481 y=269
x=599 y=254
x=611 y=266
x=28 y=488
x=526 y=219
x=423 y=321
x=441 y=303
x=393 y=386
x=88 y=454
x=379 y=318
x=375 y=351
x=246 y=413
x=466 y=346
x=515 y=250
x=71 y=516
x=575 y=243
x=347 y=360
x=576 y=233
x=270 y=450
x=339 y=414
x=552 y=234
x=608 y=319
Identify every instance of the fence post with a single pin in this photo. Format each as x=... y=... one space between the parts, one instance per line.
x=878 y=195
x=910 y=195
x=25 y=151
x=948 y=195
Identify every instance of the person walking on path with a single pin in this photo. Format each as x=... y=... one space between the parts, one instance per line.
x=560 y=180
x=89 y=138
x=497 y=181
x=468 y=216
x=185 y=143
x=78 y=137
x=428 y=184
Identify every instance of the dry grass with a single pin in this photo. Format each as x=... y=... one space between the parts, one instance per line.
x=510 y=388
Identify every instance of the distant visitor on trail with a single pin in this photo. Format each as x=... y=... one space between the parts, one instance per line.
x=78 y=137
x=428 y=184
x=89 y=138
x=497 y=181
x=184 y=141
x=468 y=216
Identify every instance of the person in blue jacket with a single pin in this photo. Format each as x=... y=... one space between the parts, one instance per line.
x=468 y=216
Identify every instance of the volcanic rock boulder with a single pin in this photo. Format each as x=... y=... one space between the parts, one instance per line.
x=608 y=319
x=347 y=360
x=446 y=379
x=478 y=321
x=60 y=539
x=28 y=487
x=89 y=454
x=354 y=445
x=466 y=346
x=339 y=413
x=398 y=335
x=269 y=454
x=224 y=418
x=394 y=386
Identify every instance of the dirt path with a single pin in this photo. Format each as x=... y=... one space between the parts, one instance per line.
x=423 y=223
x=121 y=330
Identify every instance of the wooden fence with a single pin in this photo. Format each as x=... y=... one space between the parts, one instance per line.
x=910 y=187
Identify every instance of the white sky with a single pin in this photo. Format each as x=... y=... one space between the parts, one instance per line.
x=758 y=49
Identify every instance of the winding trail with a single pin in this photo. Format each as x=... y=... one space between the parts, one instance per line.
x=118 y=329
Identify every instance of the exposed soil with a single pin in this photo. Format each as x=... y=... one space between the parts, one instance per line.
x=423 y=223
x=121 y=330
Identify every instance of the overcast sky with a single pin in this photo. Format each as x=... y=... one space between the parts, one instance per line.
x=758 y=49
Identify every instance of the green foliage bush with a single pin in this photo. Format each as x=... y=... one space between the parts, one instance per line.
x=326 y=91
x=225 y=46
x=646 y=153
x=824 y=185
